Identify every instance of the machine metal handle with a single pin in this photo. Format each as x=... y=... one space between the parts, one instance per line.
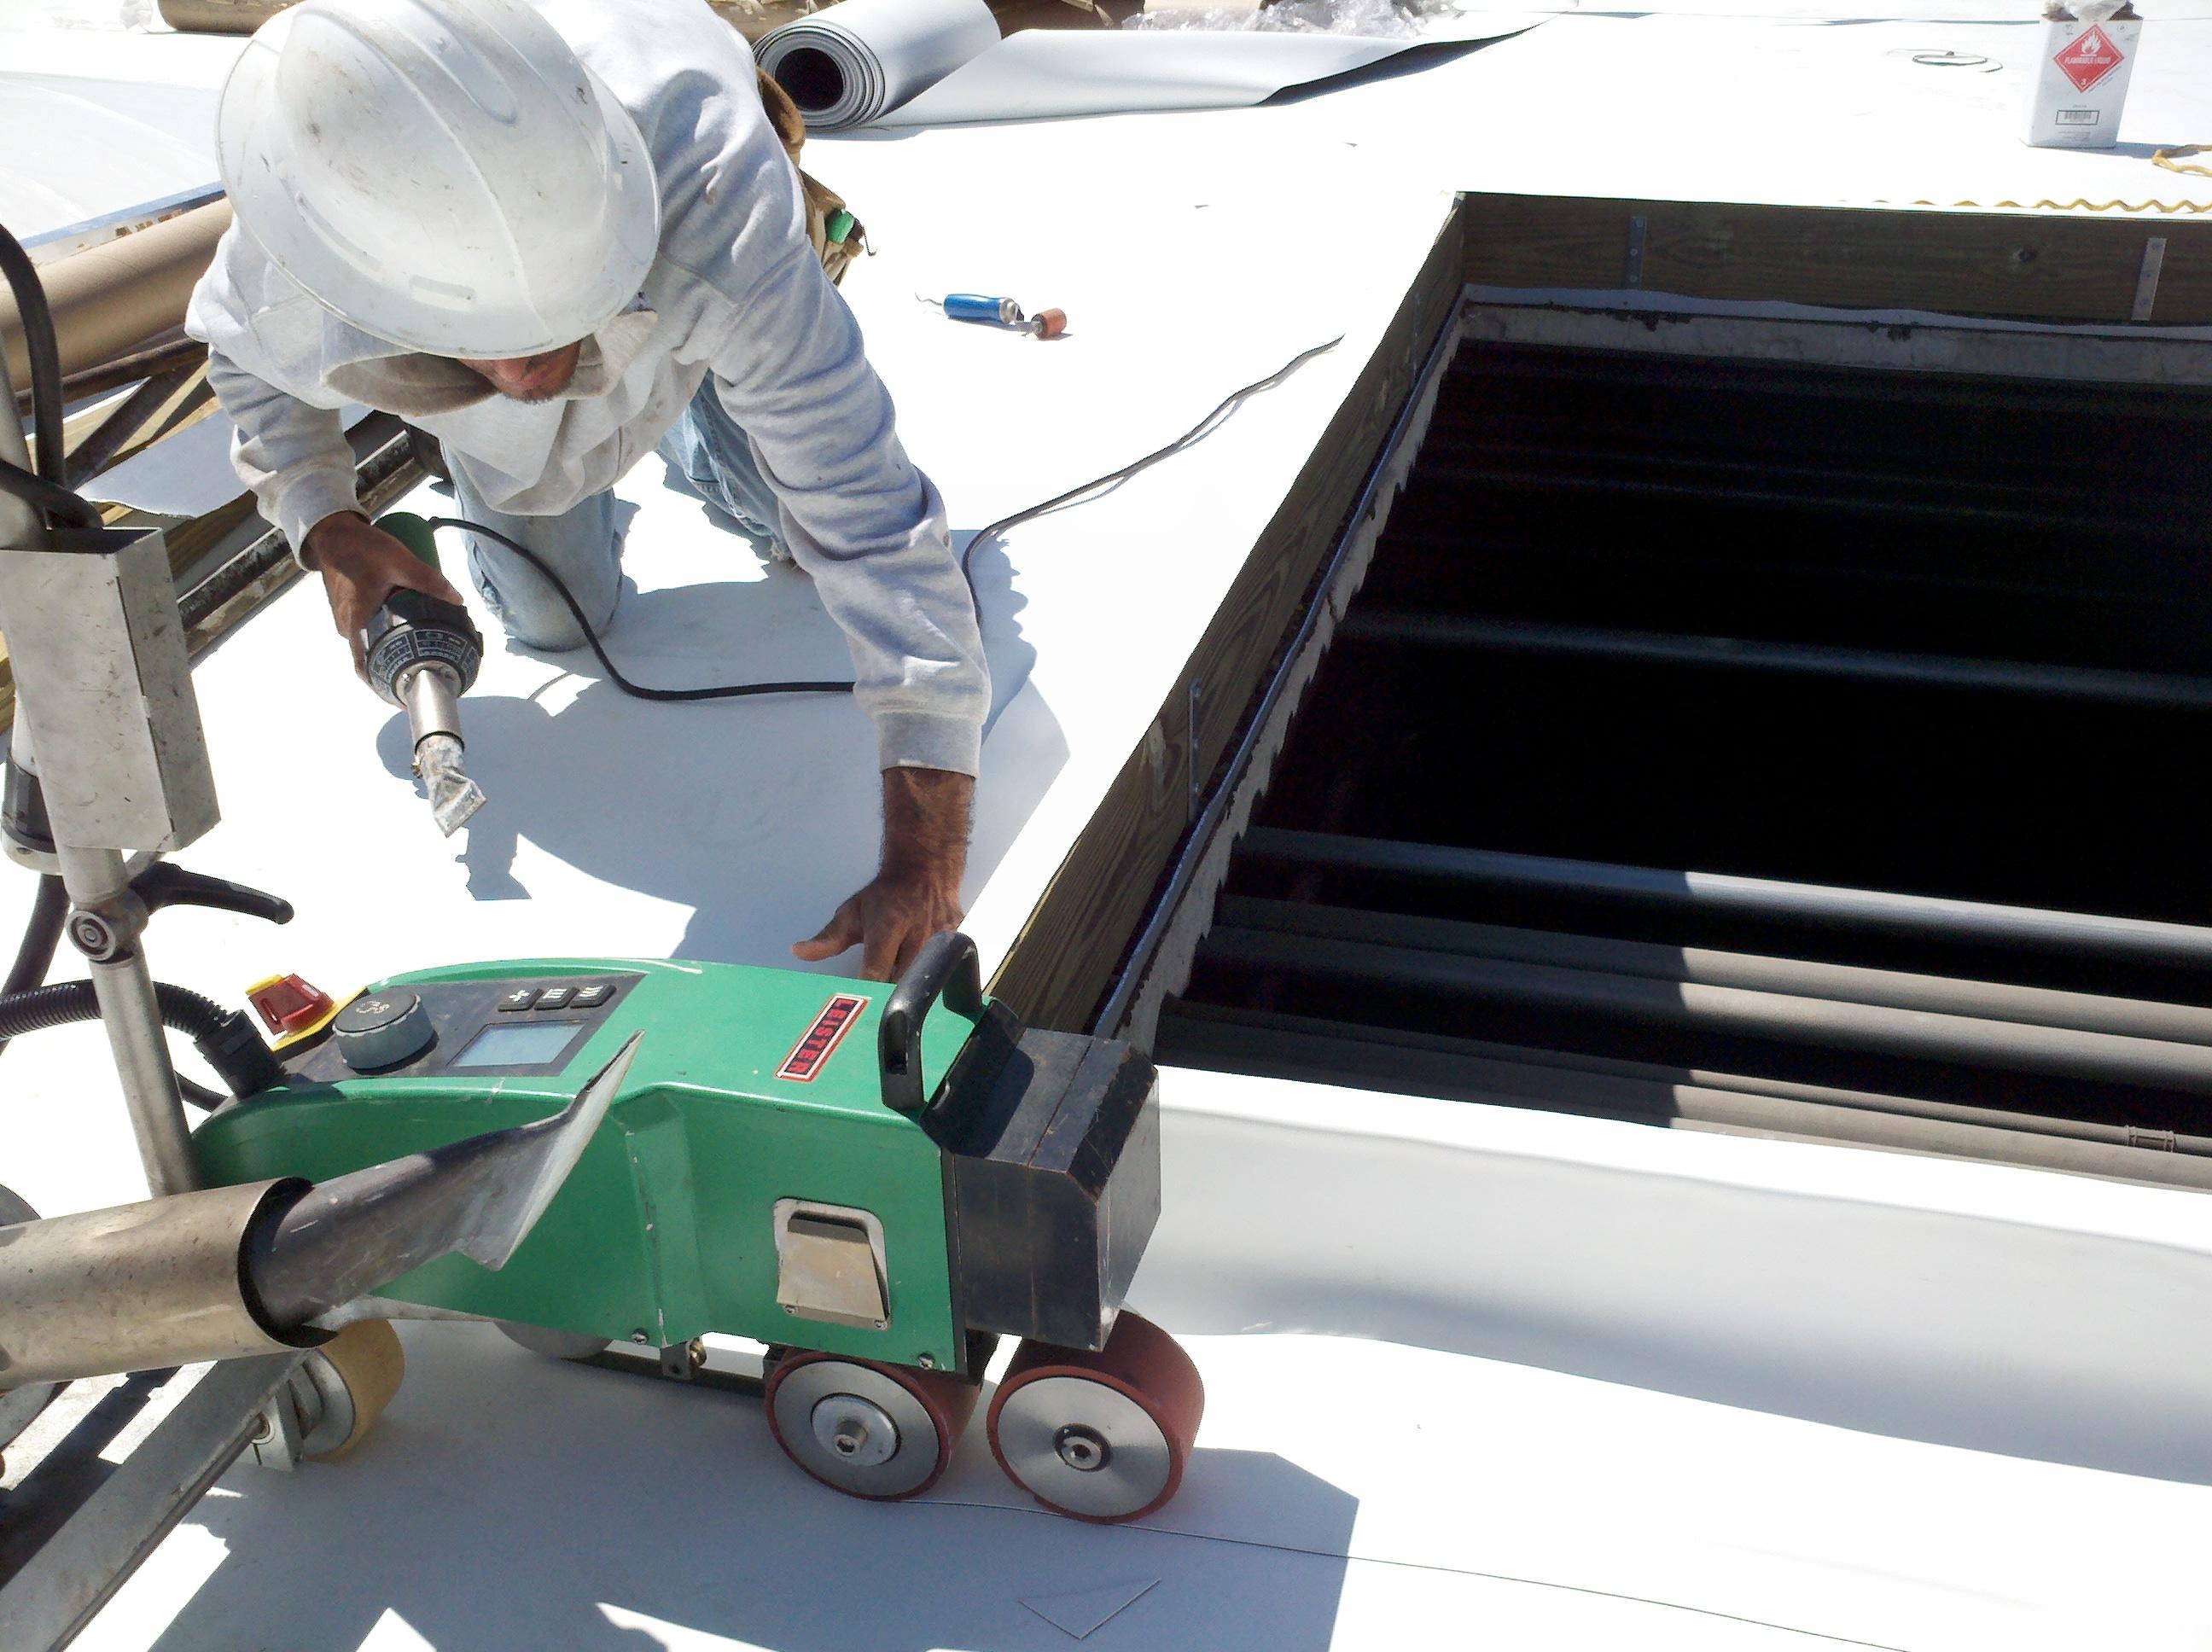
x=946 y=966
x=162 y=884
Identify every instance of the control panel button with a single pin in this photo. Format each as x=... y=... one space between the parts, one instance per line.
x=590 y=998
x=522 y=997
x=555 y=998
x=382 y=1029
x=287 y=1003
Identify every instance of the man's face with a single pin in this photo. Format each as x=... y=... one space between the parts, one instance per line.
x=530 y=378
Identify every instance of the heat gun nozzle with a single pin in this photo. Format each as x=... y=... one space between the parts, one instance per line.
x=434 y=718
x=453 y=796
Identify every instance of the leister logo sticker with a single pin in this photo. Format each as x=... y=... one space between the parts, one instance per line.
x=2088 y=59
x=811 y=1054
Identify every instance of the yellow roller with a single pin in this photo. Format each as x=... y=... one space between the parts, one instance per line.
x=369 y=1359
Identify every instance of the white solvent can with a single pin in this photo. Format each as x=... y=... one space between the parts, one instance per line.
x=2088 y=54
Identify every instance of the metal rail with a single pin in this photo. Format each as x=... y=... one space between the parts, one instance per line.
x=1388 y=626
x=1897 y=989
x=1925 y=916
x=2060 y=1052
x=78 y=1569
x=1612 y=485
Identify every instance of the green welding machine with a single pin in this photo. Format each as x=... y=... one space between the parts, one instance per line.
x=875 y=1181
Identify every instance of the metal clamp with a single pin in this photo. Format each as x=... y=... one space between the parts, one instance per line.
x=946 y=966
x=107 y=930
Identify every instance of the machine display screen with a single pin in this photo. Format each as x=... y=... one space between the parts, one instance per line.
x=515 y=1044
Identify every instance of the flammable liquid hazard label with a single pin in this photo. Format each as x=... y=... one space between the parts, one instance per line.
x=2088 y=59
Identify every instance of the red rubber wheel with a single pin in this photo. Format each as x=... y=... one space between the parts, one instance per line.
x=1100 y=1437
x=868 y=1429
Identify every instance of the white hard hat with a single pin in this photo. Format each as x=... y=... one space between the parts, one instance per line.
x=444 y=175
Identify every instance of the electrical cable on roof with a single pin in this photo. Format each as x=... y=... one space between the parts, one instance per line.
x=736 y=690
x=1202 y=428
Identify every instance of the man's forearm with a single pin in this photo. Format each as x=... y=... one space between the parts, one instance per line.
x=916 y=893
x=926 y=823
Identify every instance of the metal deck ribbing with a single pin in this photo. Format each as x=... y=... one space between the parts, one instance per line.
x=1758 y=747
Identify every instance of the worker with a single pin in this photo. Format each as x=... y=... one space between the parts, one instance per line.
x=559 y=237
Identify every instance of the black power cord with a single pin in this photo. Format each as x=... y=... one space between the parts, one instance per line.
x=43 y=488
x=49 y=497
x=736 y=691
x=42 y=934
x=732 y=691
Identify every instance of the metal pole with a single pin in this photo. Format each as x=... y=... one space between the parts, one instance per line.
x=2039 y=1006
x=98 y=886
x=1791 y=658
x=2140 y=939
x=1709 y=489
x=2063 y=1052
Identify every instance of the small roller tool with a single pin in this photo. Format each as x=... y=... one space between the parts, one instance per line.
x=1000 y=312
x=422 y=656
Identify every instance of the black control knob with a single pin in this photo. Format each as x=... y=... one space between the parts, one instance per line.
x=382 y=1029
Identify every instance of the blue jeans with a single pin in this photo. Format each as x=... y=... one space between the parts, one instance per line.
x=582 y=545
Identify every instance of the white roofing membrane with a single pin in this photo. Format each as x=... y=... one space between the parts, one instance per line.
x=1475 y=1375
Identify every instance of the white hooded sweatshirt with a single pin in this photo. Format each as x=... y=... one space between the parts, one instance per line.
x=736 y=291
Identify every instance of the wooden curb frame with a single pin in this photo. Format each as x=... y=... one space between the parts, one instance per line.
x=1061 y=964
x=2071 y=267
x=2058 y=269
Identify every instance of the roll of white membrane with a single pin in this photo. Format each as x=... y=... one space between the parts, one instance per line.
x=858 y=61
x=1053 y=73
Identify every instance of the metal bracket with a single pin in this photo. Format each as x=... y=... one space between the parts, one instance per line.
x=680 y=1362
x=1632 y=265
x=2154 y=260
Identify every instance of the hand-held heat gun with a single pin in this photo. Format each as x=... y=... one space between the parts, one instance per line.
x=422 y=655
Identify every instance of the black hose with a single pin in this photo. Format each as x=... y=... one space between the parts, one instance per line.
x=226 y=1038
x=42 y=936
x=49 y=496
x=43 y=352
x=49 y=908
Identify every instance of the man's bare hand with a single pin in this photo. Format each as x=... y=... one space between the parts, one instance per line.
x=917 y=891
x=361 y=566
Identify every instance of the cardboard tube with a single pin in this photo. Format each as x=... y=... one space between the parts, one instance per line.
x=109 y=298
x=219 y=16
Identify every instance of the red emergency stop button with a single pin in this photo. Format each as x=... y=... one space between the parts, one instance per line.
x=289 y=1004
